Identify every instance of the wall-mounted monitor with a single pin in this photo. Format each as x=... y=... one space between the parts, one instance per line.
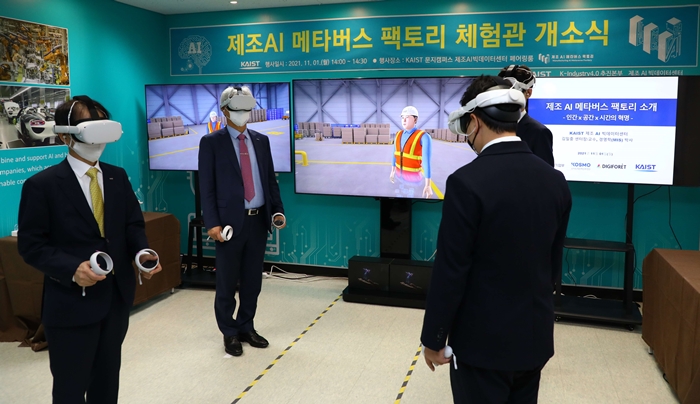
x=611 y=129
x=345 y=136
x=178 y=115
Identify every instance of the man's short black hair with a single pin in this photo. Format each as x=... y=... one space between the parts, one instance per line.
x=521 y=73
x=480 y=85
x=61 y=114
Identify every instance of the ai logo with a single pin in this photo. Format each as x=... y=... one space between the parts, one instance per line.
x=196 y=50
x=667 y=44
x=543 y=58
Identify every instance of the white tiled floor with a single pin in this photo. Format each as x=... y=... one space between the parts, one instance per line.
x=354 y=353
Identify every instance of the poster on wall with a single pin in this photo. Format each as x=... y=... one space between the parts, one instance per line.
x=653 y=41
x=27 y=115
x=33 y=53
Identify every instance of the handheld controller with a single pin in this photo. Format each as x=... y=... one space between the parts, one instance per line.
x=448 y=351
x=97 y=258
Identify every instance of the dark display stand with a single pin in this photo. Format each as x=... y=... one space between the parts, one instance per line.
x=196 y=276
x=623 y=312
x=396 y=268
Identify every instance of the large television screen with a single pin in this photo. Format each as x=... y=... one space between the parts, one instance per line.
x=179 y=115
x=345 y=131
x=610 y=129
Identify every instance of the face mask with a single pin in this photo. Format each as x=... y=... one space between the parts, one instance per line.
x=90 y=152
x=239 y=118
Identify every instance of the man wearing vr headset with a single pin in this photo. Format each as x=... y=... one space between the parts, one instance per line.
x=537 y=136
x=239 y=193
x=412 y=152
x=66 y=213
x=499 y=254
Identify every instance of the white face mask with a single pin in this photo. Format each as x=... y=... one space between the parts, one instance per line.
x=90 y=152
x=239 y=118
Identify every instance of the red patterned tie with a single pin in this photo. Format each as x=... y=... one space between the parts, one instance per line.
x=246 y=171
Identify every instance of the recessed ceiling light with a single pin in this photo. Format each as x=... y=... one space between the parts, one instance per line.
x=234 y=2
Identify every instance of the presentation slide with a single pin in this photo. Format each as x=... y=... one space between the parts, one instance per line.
x=610 y=129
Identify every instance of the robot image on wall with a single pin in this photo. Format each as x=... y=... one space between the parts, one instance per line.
x=410 y=163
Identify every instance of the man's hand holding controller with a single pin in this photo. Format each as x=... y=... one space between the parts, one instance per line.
x=148 y=263
x=279 y=220
x=93 y=271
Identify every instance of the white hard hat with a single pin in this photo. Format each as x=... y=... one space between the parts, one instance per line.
x=410 y=110
x=212 y=114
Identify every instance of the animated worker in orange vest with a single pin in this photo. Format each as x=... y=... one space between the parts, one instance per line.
x=411 y=160
x=214 y=124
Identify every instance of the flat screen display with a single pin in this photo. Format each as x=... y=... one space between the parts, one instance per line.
x=610 y=129
x=346 y=131
x=177 y=116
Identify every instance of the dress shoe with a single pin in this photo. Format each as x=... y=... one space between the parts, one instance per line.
x=254 y=339
x=233 y=346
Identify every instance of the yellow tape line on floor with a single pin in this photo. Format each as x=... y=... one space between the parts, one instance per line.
x=408 y=375
x=250 y=386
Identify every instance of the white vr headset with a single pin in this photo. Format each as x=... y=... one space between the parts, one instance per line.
x=93 y=132
x=238 y=100
x=523 y=85
x=489 y=102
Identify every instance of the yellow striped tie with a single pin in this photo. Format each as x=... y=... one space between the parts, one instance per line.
x=98 y=207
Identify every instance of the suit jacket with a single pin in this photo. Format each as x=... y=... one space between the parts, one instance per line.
x=537 y=136
x=499 y=254
x=221 y=182
x=57 y=232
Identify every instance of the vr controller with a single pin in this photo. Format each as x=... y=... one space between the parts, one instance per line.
x=148 y=265
x=278 y=221
x=101 y=264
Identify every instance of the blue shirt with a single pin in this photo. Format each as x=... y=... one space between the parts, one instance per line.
x=259 y=198
x=425 y=144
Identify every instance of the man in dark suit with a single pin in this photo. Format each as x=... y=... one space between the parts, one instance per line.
x=240 y=202
x=66 y=213
x=499 y=254
x=537 y=136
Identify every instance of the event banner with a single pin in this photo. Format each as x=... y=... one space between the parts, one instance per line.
x=612 y=42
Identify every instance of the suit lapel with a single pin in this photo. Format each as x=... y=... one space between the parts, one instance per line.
x=70 y=186
x=226 y=145
x=259 y=153
x=110 y=192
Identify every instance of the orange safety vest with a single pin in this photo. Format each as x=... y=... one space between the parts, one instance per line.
x=411 y=157
x=218 y=126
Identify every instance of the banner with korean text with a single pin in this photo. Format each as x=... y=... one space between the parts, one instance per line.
x=618 y=42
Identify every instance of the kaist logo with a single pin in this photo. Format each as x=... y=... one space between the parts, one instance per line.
x=613 y=166
x=647 y=168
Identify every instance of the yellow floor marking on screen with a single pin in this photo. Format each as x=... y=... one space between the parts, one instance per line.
x=250 y=386
x=349 y=162
x=174 y=152
x=437 y=191
x=408 y=375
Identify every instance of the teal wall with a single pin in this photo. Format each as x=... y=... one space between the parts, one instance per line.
x=116 y=49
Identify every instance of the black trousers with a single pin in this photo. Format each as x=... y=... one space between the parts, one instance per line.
x=472 y=385
x=240 y=260
x=87 y=359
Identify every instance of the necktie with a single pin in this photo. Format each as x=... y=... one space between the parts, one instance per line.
x=246 y=171
x=98 y=207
